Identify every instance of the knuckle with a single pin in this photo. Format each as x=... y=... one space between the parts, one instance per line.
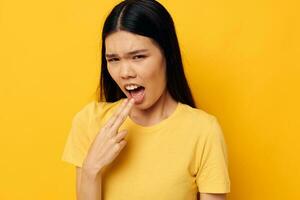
x=108 y=136
x=115 y=117
x=104 y=128
x=117 y=146
x=112 y=140
x=122 y=116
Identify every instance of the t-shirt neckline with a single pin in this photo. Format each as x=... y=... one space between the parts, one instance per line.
x=159 y=125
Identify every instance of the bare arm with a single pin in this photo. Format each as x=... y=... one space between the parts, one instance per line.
x=88 y=186
x=78 y=179
x=207 y=196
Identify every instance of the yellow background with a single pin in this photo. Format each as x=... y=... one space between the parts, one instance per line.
x=241 y=59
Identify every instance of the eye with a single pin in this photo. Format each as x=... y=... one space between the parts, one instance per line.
x=138 y=57
x=112 y=60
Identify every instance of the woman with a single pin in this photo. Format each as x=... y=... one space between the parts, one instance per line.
x=146 y=139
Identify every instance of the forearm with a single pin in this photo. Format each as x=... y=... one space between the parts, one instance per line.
x=90 y=186
x=209 y=196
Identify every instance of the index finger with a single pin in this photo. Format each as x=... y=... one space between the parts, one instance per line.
x=122 y=116
x=116 y=113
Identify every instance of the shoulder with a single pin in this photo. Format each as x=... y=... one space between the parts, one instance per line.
x=202 y=124
x=197 y=116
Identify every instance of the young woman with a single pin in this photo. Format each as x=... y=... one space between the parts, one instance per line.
x=143 y=138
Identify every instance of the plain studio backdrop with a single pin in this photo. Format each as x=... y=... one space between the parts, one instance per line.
x=241 y=60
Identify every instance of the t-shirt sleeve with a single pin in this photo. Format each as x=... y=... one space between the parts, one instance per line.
x=77 y=142
x=212 y=175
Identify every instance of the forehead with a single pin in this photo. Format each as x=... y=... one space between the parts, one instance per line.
x=122 y=42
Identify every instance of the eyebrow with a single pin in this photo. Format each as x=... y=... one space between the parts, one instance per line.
x=129 y=53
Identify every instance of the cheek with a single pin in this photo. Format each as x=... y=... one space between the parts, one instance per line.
x=154 y=76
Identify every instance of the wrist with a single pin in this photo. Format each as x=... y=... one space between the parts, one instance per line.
x=90 y=171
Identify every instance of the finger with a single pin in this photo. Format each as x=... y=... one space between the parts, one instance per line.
x=123 y=143
x=109 y=144
x=120 y=146
x=120 y=136
x=115 y=151
x=115 y=115
x=122 y=116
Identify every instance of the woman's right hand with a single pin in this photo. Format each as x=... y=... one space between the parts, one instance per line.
x=109 y=141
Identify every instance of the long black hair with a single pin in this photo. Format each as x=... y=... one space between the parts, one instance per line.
x=147 y=18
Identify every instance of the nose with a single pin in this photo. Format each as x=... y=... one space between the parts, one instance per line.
x=126 y=71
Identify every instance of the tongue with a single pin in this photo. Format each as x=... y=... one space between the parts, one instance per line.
x=138 y=95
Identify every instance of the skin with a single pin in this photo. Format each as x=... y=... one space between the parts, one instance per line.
x=146 y=68
x=107 y=145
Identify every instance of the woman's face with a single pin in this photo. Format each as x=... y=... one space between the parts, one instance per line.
x=136 y=60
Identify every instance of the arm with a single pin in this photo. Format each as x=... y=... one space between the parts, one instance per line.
x=104 y=149
x=207 y=196
x=88 y=185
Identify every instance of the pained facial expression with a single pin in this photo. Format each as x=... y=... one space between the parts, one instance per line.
x=136 y=59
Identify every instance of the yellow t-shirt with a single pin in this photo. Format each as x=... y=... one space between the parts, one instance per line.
x=170 y=160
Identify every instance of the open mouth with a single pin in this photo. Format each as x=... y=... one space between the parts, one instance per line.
x=137 y=94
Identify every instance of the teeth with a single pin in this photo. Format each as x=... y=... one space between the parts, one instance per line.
x=131 y=87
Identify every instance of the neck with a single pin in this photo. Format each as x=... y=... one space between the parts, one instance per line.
x=159 y=111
